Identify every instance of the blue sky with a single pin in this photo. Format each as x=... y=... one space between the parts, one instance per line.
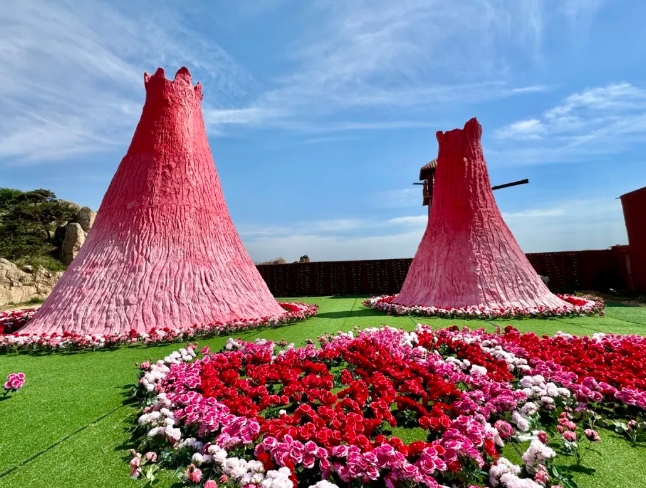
x=320 y=113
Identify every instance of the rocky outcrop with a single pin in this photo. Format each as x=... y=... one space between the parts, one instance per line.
x=21 y=285
x=85 y=218
x=70 y=237
x=72 y=242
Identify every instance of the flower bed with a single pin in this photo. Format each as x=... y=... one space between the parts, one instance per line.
x=601 y=367
x=16 y=341
x=580 y=306
x=387 y=408
x=13 y=320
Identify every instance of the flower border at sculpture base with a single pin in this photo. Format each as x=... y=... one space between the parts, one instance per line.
x=579 y=306
x=17 y=342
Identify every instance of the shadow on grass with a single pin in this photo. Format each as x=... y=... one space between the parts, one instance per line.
x=355 y=313
x=579 y=469
x=347 y=297
x=613 y=304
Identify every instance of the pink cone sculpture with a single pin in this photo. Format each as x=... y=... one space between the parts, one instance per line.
x=468 y=257
x=163 y=251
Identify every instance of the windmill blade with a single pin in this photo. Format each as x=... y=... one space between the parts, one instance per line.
x=498 y=187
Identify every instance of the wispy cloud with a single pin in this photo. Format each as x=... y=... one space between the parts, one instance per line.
x=71 y=74
x=559 y=226
x=569 y=225
x=70 y=71
x=385 y=54
x=533 y=213
x=581 y=11
x=336 y=239
x=530 y=89
x=320 y=140
x=398 y=198
x=334 y=227
x=242 y=116
x=524 y=129
x=591 y=123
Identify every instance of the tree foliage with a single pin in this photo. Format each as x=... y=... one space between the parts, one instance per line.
x=28 y=221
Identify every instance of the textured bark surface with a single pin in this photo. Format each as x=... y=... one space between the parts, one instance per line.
x=163 y=250
x=468 y=256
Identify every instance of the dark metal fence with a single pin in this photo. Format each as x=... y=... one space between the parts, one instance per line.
x=568 y=271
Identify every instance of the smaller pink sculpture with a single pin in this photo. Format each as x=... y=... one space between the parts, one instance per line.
x=468 y=257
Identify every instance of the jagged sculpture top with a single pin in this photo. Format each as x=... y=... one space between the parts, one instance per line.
x=163 y=250
x=468 y=256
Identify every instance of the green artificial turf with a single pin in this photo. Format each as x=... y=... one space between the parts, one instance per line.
x=68 y=426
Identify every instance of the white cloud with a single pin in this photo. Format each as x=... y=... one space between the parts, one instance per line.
x=418 y=221
x=592 y=123
x=334 y=248
x=71 y=71
x=535 y=212
x=242 y=116
x=317 y=126
x=71 y=75
x=316 y=227
x=581 y=11
x=399 y=198
x=614 y=97
x=567 y=225
x=531 y=89
x=319 y=140
x=524 y=129
x=417 y=52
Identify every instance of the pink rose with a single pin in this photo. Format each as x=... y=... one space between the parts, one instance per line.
x=541 y=476
x=542 y=436
x=15 y=381
x=151 y=456
x=194 y=474
x=592 y=435
x=210 y=484
x=569 y=436
x=135 y=462
x=504 y=429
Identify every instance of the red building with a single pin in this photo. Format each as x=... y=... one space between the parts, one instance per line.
x=634 y=205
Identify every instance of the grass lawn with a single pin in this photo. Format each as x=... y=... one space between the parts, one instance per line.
x=67 y=427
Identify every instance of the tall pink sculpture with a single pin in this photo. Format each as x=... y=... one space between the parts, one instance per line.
x=468 y=257
x=163 y=251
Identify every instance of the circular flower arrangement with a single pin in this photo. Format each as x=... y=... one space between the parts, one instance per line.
x=12 y=340
x=580 y=306
x=387 y=408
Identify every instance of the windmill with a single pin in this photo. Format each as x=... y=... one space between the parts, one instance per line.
x=427 y=180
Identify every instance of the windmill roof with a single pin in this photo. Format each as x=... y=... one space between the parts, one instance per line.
x=428 y=169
